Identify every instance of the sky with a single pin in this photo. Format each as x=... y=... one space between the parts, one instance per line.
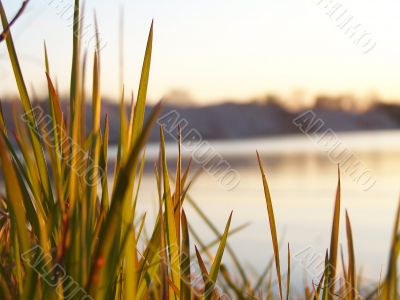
x=218 y=50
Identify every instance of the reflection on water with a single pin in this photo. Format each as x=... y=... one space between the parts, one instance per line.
x=302 y=183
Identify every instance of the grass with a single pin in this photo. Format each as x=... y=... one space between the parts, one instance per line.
x=67 y=232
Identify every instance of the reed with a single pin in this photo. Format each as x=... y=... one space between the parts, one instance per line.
x=68 y=232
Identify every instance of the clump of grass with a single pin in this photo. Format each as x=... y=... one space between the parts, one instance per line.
x=65 y=236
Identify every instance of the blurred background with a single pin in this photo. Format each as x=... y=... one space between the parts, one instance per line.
x=216 y=51
x=239 y=74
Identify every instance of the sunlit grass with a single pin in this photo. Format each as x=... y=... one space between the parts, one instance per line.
x=63 y=236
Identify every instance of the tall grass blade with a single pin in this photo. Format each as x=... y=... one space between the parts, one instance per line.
x=218 y=257
x=170 y=225
x=288 y=274
x=109 y=234
x=142 y=93
x=272 y=226
x=351 y=273
x=75 y=69
x=216 y=265
x=334 y=242
x=32 y=125
x=185 y=292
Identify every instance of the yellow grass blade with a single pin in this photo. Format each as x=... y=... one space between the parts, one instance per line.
x=185 y=292
x=170 y=226
x=334 y=242
x=178 y=190
x=351 y=273
x=20 y=237
x=272 y=226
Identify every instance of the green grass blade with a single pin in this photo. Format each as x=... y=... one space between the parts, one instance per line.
x=75 y=69
x=139 y=181
x=208 y=278
x=103 y=164
x=109 y=233
x=142 y=93
x=33 y=129
x=218 y=257
x=214 y=229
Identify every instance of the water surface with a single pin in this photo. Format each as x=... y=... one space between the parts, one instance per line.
x=302 y=182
